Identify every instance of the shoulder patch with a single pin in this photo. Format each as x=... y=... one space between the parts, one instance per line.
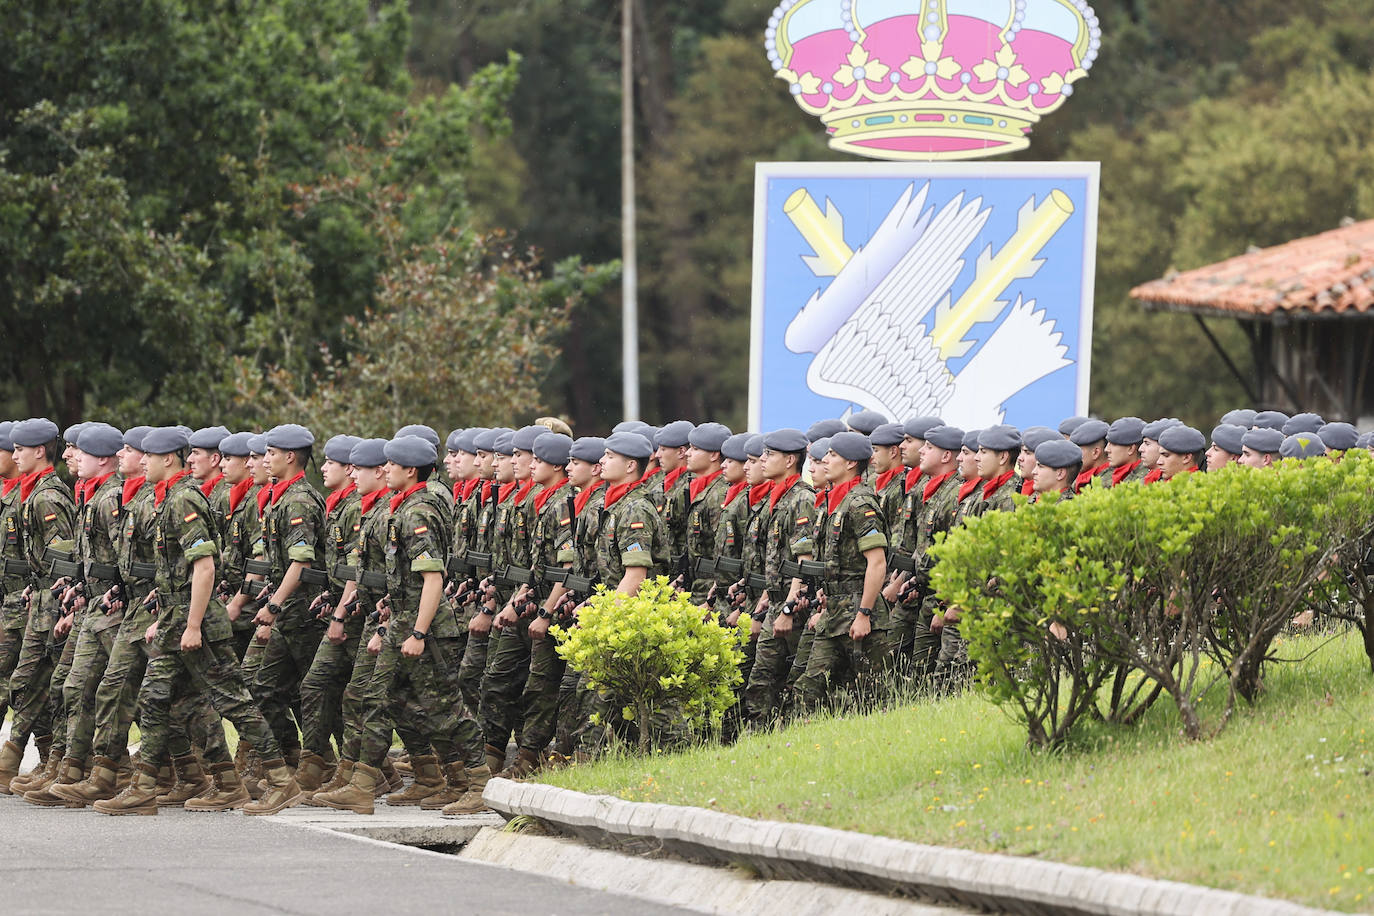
x=422 y=529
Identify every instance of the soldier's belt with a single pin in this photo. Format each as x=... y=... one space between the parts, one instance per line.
x=346 y=573
x=730 y=567
x=901 y=562
x=257 y=568
x=372 y=580
x=106 y=571
x=142 y=570
x=312 y=576
x=16 y=567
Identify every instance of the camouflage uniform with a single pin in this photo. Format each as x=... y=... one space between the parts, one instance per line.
x=789 y=538
x=508 y=649
x=892 y=496
x=705 y=505
x=820 y=517
x=1135 y=475
x=939 y=514
x=488 y=517
x=13 y=580
x=676 y=507
x=242 y=533
x=423 y=688
x=1000 y=498
x=581 y=554
x=855 y=525
x=293 y=527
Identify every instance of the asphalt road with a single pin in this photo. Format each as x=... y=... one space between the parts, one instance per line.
x=73 y=860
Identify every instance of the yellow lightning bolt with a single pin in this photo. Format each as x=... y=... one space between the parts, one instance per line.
x=1016 y=260
x=824 y=232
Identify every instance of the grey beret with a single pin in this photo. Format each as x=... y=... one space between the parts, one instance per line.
x=553 y=448
x=674 y=435
x=1338 y=436
x=628 y=426
x=1088 y=432
x=917 y=427
x=505 y=443
x=340 y=449
x=1002 y=438
x=1269 y=419
x=824 y=429
x=631 y=445
x=33 y=431
x=185 y=429
x=1364 y=440
x=451 y=443
x=709 y=437
x=1263 y=439
x=733 y=448
x=208 y=437
x=970 y=440
x=1182 y=440
x=6 y=444
x=1126 y=431
x=887 y=434
x=257 y=445
x=101 y=440
x=1229 y=437
x=419 y=429
x=1032 y=436
x=290 y=435
x=819 y=448
x=754 y=447
x=851 y=446
x=467 y=441
x=1058 y=453
x=949 y=438
x=865 y=421
x=1069 y=424
x=1153 y=430
x=1303 y=423
x=73 y=432
x=525 y=437
x=1302 y=445
x=164 y=440
x=590 y=449
x=1241 y=416
x=368 y=453
x=789 y=440
x=485 y=441
x=234 y=445
x=134 y=437
x=411 y=452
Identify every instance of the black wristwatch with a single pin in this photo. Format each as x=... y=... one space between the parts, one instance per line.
x=381 y=630
x=337 y=619
x=788 y=609
x=866 y=611
x=416 y=634
x=545 y=614
x=488 y=611
x=273 y=608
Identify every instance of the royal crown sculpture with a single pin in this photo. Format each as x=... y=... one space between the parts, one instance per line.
x=931 y=79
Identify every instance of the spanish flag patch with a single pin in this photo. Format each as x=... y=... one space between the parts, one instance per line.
x=803 y=520
x=566 y=521
x=191 y=517
x=423 y=529
x=50 y=517
x=636 y=525
x=869 y=514
x=297 y=520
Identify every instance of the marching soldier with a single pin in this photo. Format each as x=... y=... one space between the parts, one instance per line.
x=1180 y=451
x=998 y=449
x=671 y=451
x=939 y=512
x=1057 y=464
x=1123 y=453
x=705 y=504
x=1226 y=446
x=14 y=569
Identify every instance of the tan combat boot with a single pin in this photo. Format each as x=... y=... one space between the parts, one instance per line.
x=496 y=758
x=391 y=780
x=292 y=759
x=101 y=784
x=191 y=781
x=342 y=774
x=47 y=764
x=357 y=795
x=69 y=772
x=455 y=787
x=252 y=775
x=226 y=791
x=471 y=802
x=139 y=798
x=428 y=781
x=281 y=791
x=310 y=774
x=11 y=756
x=526 y=763
x=400 y=762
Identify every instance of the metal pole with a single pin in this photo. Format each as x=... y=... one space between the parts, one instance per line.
x=629 y=280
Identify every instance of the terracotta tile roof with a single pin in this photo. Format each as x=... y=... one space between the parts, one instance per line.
x=1322 y=275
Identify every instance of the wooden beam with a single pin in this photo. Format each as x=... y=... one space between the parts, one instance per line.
x=1225 y=358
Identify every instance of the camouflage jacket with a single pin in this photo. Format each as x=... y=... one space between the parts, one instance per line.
x=242 y=532
x=12 y=583
x=939 y=513
x=632 y=533
x=892 y=498
x=136 y=546
x=99 y=549
x=734 y=516
x=550 y=525
x=48 y=522
x=342 y=524
x=293 y=532
x=369 y=551
x=415 y=545
x=705 y=505
x=855 y=526
x=219 y=506
x=1000 y=499
x=676 y=508
x=753 y=550
x=581 y=551
x=904 y=533
x=1135 y=475
x=788 y=536
x=184 y=532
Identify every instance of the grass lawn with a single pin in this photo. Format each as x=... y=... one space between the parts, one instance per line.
x=1281 y=803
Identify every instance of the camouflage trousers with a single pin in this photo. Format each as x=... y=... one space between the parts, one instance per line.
x=31 y=681
x=322 y=689
x=508 y=666
x=10 y=641
x=277 y=685
x=422 y=692
x=952 y=665
x=773 y=658
x=94 y=643
x=569 y=712
x=543 y=695
x=473 y=666
x=211 y=672
x=838 y=661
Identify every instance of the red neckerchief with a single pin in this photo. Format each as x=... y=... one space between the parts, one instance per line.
x=80 y=491
x=780 y=488
x=279 y=488
x=1028 y=486
x=1154 y=476
x=995 y=484
x=161 y=487
x=886 y=477
x=486 y=489
x=523 y=492
x=370 y=499
x=541 y=498
x=758 y=491
x=822 y=496
x=649 y=474
x=913 y=477
x=1121 y=473
x=333 y=499
x=672 y=477
x=615 y=493
x=9 y=483
x=1192 y=470
x=585 y=496
x=210 y=484
x=403 y=496
x=698 y=484
x=735 y=490
x=839 y=492
x=474 y=485
x=1082 y=479
x=264 y=497
x=95 y=483
x=504 y=490
x=968 y=486
x=933 y=484
x=29 y=481
x=131 y=487
x=238 y=491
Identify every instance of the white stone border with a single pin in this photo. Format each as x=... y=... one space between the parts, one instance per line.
x=1007 y=883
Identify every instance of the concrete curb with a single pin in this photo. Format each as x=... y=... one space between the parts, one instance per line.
x=808 y=853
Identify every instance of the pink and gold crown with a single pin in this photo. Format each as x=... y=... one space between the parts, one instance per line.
x=931 y=79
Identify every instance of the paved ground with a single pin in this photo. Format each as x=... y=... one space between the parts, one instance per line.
x=65 y=860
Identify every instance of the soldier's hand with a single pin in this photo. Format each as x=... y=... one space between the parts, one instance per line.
x=937 y=623
x=60 y=584
x=27 y=598
x=507 y=617
x=755 y=627
x=711 y=593
x=732 y=619
x=374 y=645
x=190 y=639
x=953 y=614
x=412 y=647
x=63 y=626
x=69 y=594
x=78 y=603
x=480 y=623
x=262 y=634
x=235 y=606
x=151 y=633
x=1058 y=631
x=112 y=599
x=782 y=624
x=318 y=606
x=860 y=628
x=335 y=633
x=539 y=627
x=813 y=621
x=384 y=608
x=264 y=618
x=893 y=589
